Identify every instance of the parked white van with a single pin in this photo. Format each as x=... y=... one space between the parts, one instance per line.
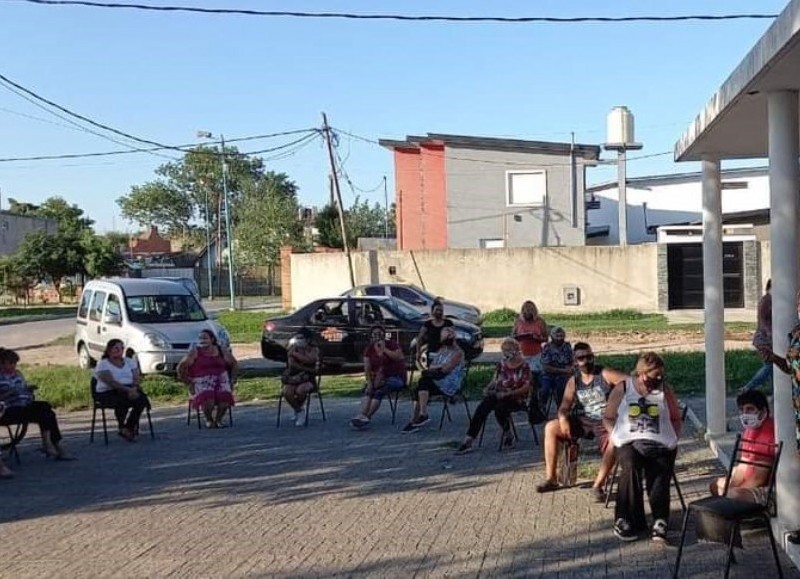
x=157 y=320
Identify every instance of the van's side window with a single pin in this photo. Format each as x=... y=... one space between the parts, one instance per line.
x=83 y=309
x=113 y=307
x=96 y=309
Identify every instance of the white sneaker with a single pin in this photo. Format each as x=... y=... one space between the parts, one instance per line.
x=299 y=419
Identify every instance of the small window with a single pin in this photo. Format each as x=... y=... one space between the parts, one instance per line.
x=83 y=309
x=526 y=188
x=375 y=290
x=492 y=243
x=332 y=313
x=368 y=314
x=96 y=309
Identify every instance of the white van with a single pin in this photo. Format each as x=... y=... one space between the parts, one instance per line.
x=157 y=320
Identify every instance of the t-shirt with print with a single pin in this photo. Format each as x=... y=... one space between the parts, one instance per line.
x=509 y=378
x=557 y=356
x=123 y=375
x=14 y=391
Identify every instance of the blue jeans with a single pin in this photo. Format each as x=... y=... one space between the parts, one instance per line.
x=552 y=383
x=761 y=377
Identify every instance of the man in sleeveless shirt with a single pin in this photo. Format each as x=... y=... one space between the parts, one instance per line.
x=580 y=415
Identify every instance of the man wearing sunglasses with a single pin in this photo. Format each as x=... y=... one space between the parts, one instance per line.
x=580 y=415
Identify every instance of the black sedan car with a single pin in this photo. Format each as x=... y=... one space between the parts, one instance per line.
x=340 y=328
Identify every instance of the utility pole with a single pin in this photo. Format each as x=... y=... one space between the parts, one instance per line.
x=327 y=132
x=385 y=209
x=228 y=227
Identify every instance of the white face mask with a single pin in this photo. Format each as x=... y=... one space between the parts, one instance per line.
x=751 y=420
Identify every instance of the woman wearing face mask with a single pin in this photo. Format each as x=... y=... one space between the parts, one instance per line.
x=644 y=419
x=298 y=380
x=430 y=334
x=558 y=364
x=748 y=482
x=443 y=375
x=385 y=371
x=505 y=394
x=530 y=330
x=210 y=371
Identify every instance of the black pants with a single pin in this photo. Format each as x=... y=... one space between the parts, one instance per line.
x=427 y=384
x=40 y=413
x=653 y=463
x=121 y=404
x=502 y=412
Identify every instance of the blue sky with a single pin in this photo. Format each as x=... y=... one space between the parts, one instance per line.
x=164 y=76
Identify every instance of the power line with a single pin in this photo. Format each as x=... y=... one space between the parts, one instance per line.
x=407 y=18
x=184 y=148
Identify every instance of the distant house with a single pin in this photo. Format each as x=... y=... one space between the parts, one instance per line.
x=661 y=200
x=456 y=191
x=149 y=244
x=14 y=228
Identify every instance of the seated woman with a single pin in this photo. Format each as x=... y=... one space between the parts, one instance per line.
x=210 y=372
x=643 y=417
x=17 y=399
x=118 y=387
x=299 y=378
x=558 y=364
x=385 y=371
x=506 y=393
x=443 y=376
x=5 y=472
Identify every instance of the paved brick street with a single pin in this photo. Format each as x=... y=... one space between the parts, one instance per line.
x=256 y=501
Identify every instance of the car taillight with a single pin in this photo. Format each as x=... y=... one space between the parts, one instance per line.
x=269 y=326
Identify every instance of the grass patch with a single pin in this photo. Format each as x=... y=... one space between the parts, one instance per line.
x=17 y=312
x=245 y=327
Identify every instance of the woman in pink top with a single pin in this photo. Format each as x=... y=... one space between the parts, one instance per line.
x=210 y=372
x=530 y=330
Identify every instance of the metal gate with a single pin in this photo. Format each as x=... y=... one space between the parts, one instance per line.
x=685 y=275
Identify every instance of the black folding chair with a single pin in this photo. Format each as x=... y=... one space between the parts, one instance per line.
x=513 y=429
x=197 y=411
x=316 y=390
x=455 y=398
x=733 y=511
x=394 y=395
x=15 y=436
x=612 y=479
x=98 y=405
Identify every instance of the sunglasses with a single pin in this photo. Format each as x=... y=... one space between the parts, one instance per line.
x=584 y=357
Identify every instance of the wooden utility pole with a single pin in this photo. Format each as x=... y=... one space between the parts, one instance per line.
x=327 y=132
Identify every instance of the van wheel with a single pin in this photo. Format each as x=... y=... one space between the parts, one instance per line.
x=85 y=361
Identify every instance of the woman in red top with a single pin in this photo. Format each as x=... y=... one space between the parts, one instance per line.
x=530 y=330
x=210 y=371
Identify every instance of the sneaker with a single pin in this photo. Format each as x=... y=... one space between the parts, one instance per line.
x=547 y=486
x=598 y=494
x=659 y=532
x=623 y=531
x=299 y=419
x=466 y=447
x=410 y=427
x=421 y=420
x=359 y=423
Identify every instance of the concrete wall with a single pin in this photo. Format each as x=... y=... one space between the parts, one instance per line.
x=606 y=277
x=476 y=200
x=14 y=228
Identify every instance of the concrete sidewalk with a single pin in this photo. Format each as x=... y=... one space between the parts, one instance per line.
x=256 y=501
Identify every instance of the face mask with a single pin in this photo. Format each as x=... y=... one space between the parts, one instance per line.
x=751 y=420
x=588 y=368
x=508 y=355
x=528 y=316
x=653 y=384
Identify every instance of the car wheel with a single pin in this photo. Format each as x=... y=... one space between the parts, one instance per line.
x=85 y=361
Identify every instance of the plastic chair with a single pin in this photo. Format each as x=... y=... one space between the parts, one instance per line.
x=736 y=511
x=98 y=405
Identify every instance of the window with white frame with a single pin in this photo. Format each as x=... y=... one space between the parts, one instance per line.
x=492 y=243
x=526 y=188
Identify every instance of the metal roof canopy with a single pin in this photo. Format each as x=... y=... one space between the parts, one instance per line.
x=734 y=122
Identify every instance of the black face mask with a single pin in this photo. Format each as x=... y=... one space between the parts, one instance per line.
x=528 y=317
x=588 y=368
x=653 y=383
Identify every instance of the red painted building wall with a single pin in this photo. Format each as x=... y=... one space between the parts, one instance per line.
x=421 y=187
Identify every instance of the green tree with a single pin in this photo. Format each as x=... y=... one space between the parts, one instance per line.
x=267 y=220
x=361 y=220
x=16 y=278
x=101 y=257
x=190 y=188
x=50 y=257
x=70 y=218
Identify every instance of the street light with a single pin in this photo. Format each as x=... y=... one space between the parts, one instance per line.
x=201 y=181
x=226 y=202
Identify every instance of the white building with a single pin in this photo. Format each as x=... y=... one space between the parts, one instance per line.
x=671 y=200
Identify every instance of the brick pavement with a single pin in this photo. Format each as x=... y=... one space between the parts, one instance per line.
x=256 y=501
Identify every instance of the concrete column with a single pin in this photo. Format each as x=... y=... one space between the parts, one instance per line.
x=784 y=178
x=713 y=298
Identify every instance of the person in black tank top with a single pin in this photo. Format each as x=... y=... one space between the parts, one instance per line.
x=431 y=332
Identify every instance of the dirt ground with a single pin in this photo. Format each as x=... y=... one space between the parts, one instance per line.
x=617 y=343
